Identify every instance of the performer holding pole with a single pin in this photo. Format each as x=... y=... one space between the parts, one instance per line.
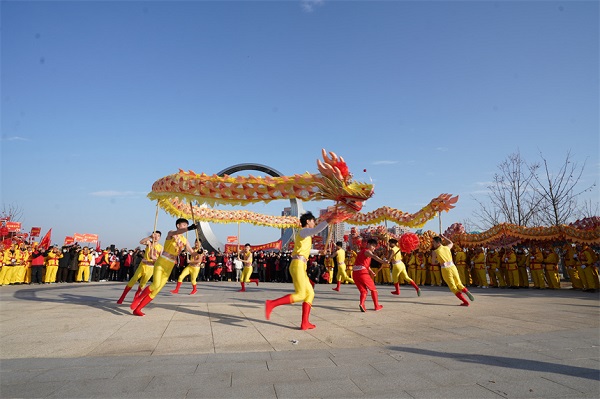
x=174 y=244
x=449 y=271
x=303 y=290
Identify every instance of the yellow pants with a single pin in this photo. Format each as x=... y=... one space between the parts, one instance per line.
x=18 y=274
x=399 y=270
x=574 y=277
x=553 y=279
x=500 y=277
x=192 y=271
x=303 y=290
x=513 y=277
x=4 y=272
x=587 y=277
x=162 y=271
x=143 y=274
x=492 y=274
x=462 y=273
x=523 y=277
x=482 y=277
x=421 y=276
x=451 y=277
x=83 y=271
x=50 y=276
x=436 y=278
x=412 y=273
x=342 y=276
x=246 y=273
x=385 y=275
x=538 y=278
x=330 y=272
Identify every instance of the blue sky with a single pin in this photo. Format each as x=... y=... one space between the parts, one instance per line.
x=100 y=99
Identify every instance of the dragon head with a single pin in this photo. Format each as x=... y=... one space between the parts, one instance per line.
x=336 y=184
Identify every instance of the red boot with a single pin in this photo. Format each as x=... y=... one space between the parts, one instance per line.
x=337 y=288
x=397 y=292
x=416 y=287
x=146 y=300
x=375 y=298
x=306 y=325
x=460 y=296
x=176 y=290
x=194 y=290
x=137 y=293
x=270 y=305
x=124 y=294
x=254 y=280
x=243 y=287
x=140 y=297
x=363 y=297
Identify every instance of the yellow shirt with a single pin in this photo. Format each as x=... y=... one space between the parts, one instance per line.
x=444 y=254
x=340 y=256
x=175 y=245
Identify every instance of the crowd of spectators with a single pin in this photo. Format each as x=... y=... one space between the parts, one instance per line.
x=522 y=267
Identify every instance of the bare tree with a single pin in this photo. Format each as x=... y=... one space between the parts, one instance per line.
x=588 y=209
x=512 y=198
x=559 y=191
x=12 y=212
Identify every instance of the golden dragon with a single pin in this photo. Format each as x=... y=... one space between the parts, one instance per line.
x=176 y=193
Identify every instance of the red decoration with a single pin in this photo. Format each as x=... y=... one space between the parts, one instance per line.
x=409 y=242
x=343 y=168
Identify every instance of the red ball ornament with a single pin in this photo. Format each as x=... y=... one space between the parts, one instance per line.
x=409 y=242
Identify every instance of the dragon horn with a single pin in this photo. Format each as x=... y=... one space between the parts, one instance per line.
x=337 y=173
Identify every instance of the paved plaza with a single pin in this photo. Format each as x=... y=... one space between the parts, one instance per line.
x=74 y=341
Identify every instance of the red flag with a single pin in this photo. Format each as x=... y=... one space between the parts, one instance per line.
x=69 y=241
x=45 y=242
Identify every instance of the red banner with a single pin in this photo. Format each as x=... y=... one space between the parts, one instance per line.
x=45 y=241
x=13 y=227
x=232 y=239
x=230 y=248
x=35 y=231
x=85 y=237
x=90 y=237
x=69 y=241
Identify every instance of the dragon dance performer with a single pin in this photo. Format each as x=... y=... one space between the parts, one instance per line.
x=247 y=270
x=361 y=271
x=399 y=269
x=449 y=271
x=192 y=269
x=146 y=268
x=174 y=244
x=340 y=257
x=303 y=290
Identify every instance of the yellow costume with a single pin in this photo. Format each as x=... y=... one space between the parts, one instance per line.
x=536 y=261
x=84 y=266
x=52 y=266
x=192 y=269
x=342 y=277
x=510 y=258
x=551 y=266
x=480 y=269
x=399 y=270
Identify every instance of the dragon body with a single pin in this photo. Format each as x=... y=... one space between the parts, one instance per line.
x=176 y=193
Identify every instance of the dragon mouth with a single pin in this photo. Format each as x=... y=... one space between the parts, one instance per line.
x=355 y=205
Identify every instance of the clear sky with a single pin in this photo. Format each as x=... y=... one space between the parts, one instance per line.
x=100 y=99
